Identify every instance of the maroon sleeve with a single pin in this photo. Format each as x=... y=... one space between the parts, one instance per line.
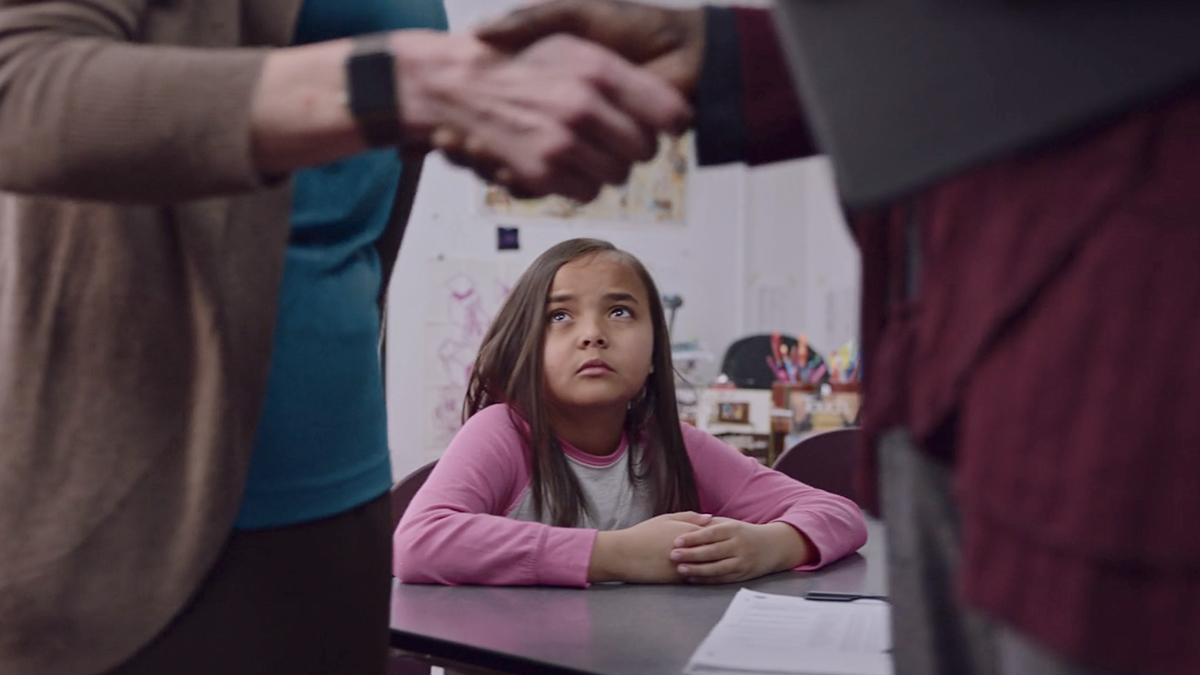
x=776 y=128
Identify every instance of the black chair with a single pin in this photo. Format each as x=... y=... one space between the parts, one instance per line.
x=403 y=491
x=826 y=461
x=401 y=663
x=745 y=362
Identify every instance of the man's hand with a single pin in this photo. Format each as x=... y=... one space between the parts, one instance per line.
x=728 y=550
x=669 y=42
x=640 y=554
x=562 y=116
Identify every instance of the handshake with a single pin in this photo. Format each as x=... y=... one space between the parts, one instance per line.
x=556 y=98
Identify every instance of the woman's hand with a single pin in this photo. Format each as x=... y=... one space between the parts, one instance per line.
x=641 y=554
x=728 y=550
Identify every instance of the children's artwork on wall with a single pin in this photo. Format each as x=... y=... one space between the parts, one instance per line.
x=656 y=192
x=463 y=297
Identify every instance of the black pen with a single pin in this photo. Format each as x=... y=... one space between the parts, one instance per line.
x=832 y=596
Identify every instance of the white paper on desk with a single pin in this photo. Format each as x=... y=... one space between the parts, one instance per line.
x=764 y=633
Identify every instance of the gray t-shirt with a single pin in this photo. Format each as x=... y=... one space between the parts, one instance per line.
x=614 y=502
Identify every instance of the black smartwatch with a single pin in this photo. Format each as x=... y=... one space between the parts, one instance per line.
x=371 y=90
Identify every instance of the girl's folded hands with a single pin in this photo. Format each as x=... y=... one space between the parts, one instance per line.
x=727 y=550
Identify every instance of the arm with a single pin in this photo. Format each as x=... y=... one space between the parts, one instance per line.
x=776 y=126
x=746 y=106
x=455 y=530
x=737 y=487
x=85 y=113
x=641 y=554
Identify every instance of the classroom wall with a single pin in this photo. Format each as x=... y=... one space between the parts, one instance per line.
x=761 y=249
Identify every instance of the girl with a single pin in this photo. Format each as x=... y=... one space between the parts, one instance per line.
x=572 y=466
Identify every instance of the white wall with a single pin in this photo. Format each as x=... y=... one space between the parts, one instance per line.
x=802 y=267
x=763 y=249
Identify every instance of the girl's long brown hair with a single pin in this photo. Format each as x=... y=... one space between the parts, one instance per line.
x=509 y=370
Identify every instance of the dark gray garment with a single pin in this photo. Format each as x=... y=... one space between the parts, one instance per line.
x=1021 y=656
x=901 y=93
x=931 y=633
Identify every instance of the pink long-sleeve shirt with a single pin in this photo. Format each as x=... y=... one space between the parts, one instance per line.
x=461 y=527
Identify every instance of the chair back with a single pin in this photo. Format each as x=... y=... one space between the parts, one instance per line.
x=745 y=361
x=403 y=492
x=402 y=663
x=826 y=461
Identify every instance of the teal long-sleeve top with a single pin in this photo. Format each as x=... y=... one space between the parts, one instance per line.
x=321 y=446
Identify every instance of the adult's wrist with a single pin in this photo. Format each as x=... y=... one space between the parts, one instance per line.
x=720 y=122
x=371 y=91
x=298 y=112
x=692 y=26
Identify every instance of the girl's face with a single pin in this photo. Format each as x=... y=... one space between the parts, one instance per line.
x=599 y=335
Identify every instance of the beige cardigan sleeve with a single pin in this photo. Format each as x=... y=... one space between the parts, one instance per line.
x=87 y=112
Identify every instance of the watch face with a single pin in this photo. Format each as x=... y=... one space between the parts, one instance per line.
x=371 y=84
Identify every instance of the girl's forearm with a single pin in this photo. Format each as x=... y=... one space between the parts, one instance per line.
x=606 y=561
x=793 y=549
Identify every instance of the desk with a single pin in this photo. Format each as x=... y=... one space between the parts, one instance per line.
x=608 y=629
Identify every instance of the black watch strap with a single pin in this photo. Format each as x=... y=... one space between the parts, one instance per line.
x=371 y=90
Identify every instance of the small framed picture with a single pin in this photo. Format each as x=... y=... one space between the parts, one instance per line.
x=736 y=412
x=757 y=446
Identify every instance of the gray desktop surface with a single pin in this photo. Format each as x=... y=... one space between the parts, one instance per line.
x=608 y=629
x=901 y=93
